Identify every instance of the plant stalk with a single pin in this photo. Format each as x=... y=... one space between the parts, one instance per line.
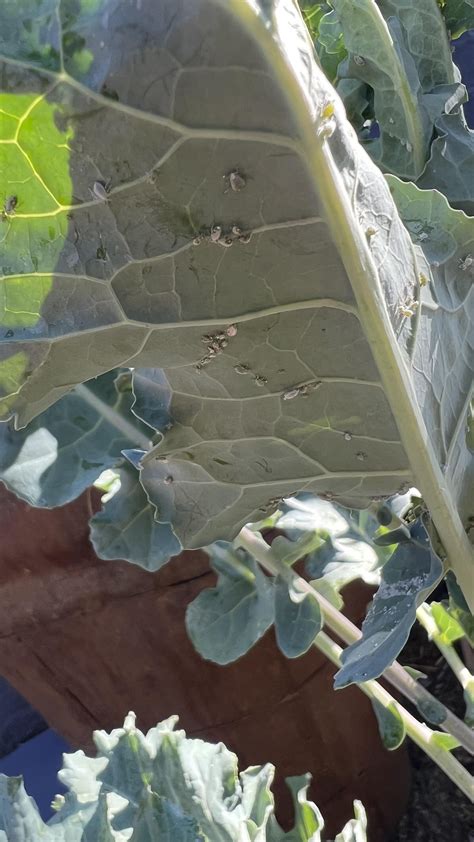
x=425 y=617
x=396 y=675
x=417 y=731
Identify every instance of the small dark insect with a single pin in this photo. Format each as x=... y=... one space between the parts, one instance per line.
x=9 y=206
x=101 y=252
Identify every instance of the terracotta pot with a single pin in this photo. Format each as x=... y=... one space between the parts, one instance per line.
x=86 y=640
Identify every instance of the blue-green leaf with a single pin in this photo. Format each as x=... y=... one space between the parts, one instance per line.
x=308 y=820
x=297 y=618
x=355 y=829
x=459 y=608
x=64 y=449
x=126 y=527
x=152 y=397
x=459 y=16
x=391 y=725
x=224 y=622
x=408 y=576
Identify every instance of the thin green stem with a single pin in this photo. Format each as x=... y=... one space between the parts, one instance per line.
x=396 y=675
x=417 y=731
x=425 y=617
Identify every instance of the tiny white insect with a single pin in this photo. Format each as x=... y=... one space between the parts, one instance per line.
x=291 y=394
x=466 y=262
x=100 y=190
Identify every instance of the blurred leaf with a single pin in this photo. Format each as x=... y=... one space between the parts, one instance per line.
x=469 y=702
x=414 y=673
x=126 y=527
x=224 y=622
x=297 y=618
x=459 y=16
x=391 y=726
x=408 y=576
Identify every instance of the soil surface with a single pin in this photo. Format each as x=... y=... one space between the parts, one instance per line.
x=437 y=811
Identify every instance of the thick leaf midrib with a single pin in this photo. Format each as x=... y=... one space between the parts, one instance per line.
x=362 y=272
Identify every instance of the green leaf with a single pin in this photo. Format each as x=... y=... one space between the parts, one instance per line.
x=308 y=820
x=445 y=741
x=378 y=56
x=117 y=176
x=158 y=819
x=297 y=618
x=414 y=673
x=152 y=397
x=224 y=622
x=458 y=607
x=451 y=162
x=409 y=575
x=355 y=829
x=468 y=695
x=459 y=16
x=19 y=817
x=391 y=725
x=126 y=527
x=161 y=786
x=445 y=238
x=432 y=710
x=426 y=39
x=347 y=548
x=449 y=628
x=64 y=449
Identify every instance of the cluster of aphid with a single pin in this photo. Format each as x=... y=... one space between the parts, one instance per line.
x=301 y=391
x=408 y=308
x=272 y=504
x=466 y=263
x=243 y=368
x=216 y=342
x=217 y=235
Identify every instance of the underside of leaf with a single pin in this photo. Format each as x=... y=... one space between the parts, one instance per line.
x=198 y=203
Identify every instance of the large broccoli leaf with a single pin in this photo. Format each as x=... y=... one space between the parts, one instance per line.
x=241 y=240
